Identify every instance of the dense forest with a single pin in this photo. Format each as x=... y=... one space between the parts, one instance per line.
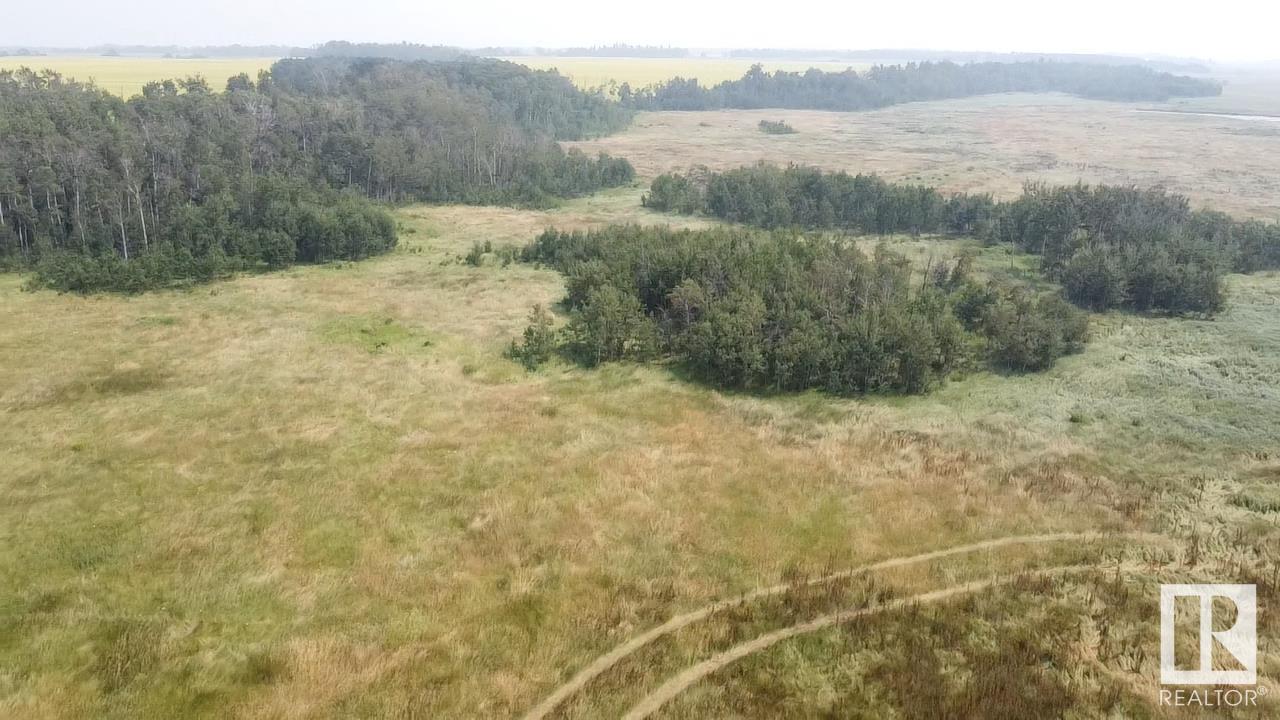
x=890 y=85
x=755 y=310
x=1108 y=246
x=184 y=183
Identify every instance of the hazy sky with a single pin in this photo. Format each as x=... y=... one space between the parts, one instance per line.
x=1224 y=30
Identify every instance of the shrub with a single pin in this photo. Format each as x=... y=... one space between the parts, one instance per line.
x=1095 y=278
x=1027 y=333
x=676 y=193
x=475 y=256
x=539 y=342
x=776 y=127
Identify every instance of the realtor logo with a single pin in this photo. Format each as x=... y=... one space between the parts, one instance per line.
x=1237 y=645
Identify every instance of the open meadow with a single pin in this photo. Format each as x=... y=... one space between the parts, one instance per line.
x=323 y=492
x=993 y=143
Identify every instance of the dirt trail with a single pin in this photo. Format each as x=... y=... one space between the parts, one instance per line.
x=611 y=658
x=694 y=673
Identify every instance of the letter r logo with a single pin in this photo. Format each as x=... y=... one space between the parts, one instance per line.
x=1240 y=640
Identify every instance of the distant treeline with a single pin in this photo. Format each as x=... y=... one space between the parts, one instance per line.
x=334 y=48
x=208 y=51
x=1108 y=246
x=618 y=50
x=754 y=310
x=900 y=55
x=391 y=51
x=883 y=86
x=182 y=182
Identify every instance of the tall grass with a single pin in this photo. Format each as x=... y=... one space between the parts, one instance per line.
x=326 y=493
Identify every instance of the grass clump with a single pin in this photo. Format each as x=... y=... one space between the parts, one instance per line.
x=485 y=252
x=1259 y=500
x=372 y=334
x=123 y=650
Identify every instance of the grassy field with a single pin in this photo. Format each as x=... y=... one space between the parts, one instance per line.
x=325 y=493
x=992 y=143
x=590 y=72
x=125 y=76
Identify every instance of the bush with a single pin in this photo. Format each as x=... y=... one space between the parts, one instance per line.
x=539 y=343
x=676 y=193
x=475 y=256
x=776 y=127
x=1027 y=333
x=1095 y=278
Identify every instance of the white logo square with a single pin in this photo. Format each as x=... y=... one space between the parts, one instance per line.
x=1241 y=639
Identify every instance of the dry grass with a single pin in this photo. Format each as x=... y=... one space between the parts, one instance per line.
x=985 y=144
x=324 y=493
x=1040 y=647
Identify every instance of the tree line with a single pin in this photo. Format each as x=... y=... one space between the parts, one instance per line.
x=908 y=55
x=782 y=311
x=620 y=50
x=885 y=85
x=185 y=183
x=768 y=196
x=394 y=51
x=1108 y=246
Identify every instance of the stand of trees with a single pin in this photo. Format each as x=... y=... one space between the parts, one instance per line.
x=184 y=183
x=767 y=196
x=776 y=127
x=1108 y=246
x=890 y=85
x=746 y=309
x=1140 y=249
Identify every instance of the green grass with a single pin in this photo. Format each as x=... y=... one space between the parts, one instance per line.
x=324 y=492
